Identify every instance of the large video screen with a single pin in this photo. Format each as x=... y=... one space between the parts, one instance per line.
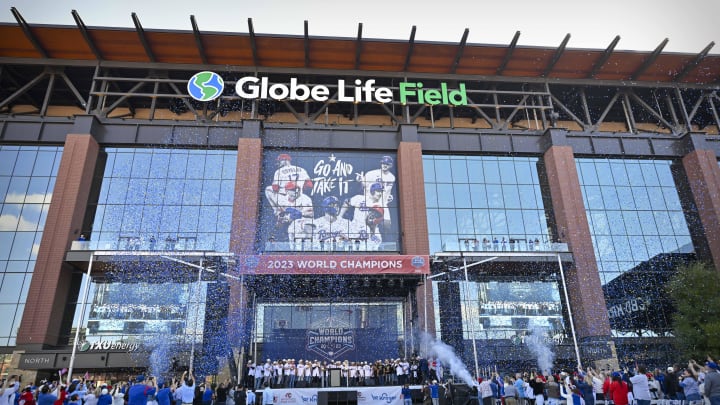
x=326 y=201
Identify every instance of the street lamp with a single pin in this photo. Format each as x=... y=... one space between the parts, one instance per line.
x=81 y=319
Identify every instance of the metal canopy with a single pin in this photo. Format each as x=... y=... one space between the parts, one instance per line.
x=81 y=43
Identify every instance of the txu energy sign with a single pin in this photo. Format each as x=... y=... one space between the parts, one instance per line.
x=207 y=86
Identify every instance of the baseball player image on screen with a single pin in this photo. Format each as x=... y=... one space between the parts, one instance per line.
x=292 y=205
x=285 y=173
x=360 y=206
x=331 y=230
x=386 y=179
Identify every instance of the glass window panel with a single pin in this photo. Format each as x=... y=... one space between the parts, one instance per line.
x=672 y=201
x=155 y=194
x=533 y=224
x=44 y=164
x=619 y=173
x=10 y=217
x=593 y=199
x=589 y=176
x=170 y=218
x=475 y=170
x=625 y=196
x=642 y=200
x=37 y=189
x=664 y=175
x=177 y=165
x=222 y=242
x=600 y=225
x=647 y=223
x=6 y=239
x=491 y=171
x=479 y=196
x=462 y=195
x=7 y=161
x=443 y=174
x=22 y=246
x=429 y=169
x=122 y=165
x=431 y=195
x=649 y=174
x=213 y=167
x=224 y=219
x=465 y=222
x=458 y=166
x=131 y=219
x=189 y=218
x=151 y=217
x=685 y=243
x=527 y=197
x=657 y=202
x=4 y=184
x=653 y=245
x=621 y=244
x=481 y=218
x=662 y=220
x=159 y=165
x=617 y=223
x=24 y=163
x=192 y=192
x=639 y=251
x=677 y=219
x=524 y=172
x=448 y=225
x=433 y=221
x=17 y=189
x=229 y=165
x=173 y=191
x=30 y=217
x=141 y=165
x=515 y=223
x=610 y=198
x=209 y=220
x=43 y=216
x=446 y=196
x=507 y=172
x=7 y=314
x=16 y=323
x=11 y=288
x=632 y=223
x=634 y=172
x=137 y=191
x=669 y=243
x=210 y=192
x=494 y=195
x=605 y=248
x=511 y=196
x=196 y=166
x=117 y=190
x=498 y=223
x=227 y=188
x=604 y=173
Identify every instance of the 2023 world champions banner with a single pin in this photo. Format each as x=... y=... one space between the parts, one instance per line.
x=329 y=201
x=334 y=264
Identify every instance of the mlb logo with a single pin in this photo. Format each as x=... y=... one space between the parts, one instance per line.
x=418 y=261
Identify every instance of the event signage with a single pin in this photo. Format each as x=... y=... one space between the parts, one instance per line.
x=334 y=264
x=330 y=343
x=36 y=361
x=365 y=395
x=207 y=86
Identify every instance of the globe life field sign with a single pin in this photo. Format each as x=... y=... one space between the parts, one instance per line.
x=206 y=86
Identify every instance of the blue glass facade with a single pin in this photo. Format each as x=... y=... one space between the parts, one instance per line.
x=165 y=199
x=27 y=178
x=638 y=230
x=484 y=198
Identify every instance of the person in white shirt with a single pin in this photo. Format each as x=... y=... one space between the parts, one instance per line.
x=640 y=387
x=187 y=389
x=8 y=390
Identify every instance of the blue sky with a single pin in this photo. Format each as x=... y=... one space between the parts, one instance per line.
x=689 y=25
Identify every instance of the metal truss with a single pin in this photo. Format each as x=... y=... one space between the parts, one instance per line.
x=494 y=105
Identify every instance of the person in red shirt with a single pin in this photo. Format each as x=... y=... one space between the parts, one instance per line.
x=618 y=390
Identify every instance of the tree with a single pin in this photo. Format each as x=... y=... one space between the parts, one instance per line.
x=696 y=322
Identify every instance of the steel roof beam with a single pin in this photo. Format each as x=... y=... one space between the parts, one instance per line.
x=86 y=35
x=28 y=32
x=692 y=65
x=307 y=45
x=461 y=49
x=253 y=44
x=143 y=39
x=604 y=58
x=358 y=46
x=650 y=60
x=411 y=48
x=556 y=57
x=198 y=39
x=508 y=54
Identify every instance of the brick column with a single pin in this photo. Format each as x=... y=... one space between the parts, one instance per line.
x=703 y=178
x=245 y=214
x=587 y=302
x=51 y=281
x=413 y=215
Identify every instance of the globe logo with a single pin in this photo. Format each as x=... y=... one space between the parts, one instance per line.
x=205 y=86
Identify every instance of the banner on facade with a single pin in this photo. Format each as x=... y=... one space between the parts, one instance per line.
x=334 y=264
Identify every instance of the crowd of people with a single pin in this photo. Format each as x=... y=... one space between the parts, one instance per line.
x=692 y=385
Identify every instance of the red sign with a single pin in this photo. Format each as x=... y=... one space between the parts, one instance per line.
x=334 y=264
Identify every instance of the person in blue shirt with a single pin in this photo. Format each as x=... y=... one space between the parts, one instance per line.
x=406 y=394
x=140 y=391
x=250 y=397
x=105 y=398
x=45 y=397
x=434 y=392
x=74 y=400
x=207 y=396
x=163 y=394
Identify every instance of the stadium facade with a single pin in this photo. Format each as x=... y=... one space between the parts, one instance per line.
x=209 y=196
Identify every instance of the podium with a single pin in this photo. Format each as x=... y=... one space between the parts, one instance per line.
x=335 y=377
